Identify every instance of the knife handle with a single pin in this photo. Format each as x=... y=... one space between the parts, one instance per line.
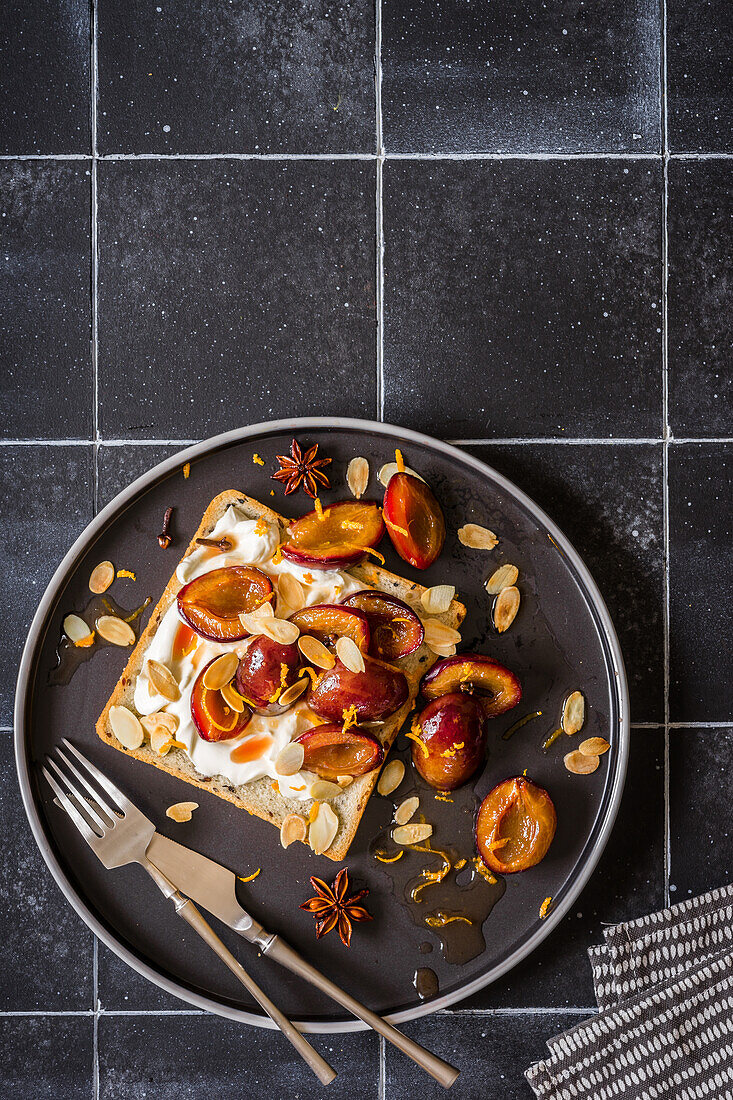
x=186 y=909
x=282 y=953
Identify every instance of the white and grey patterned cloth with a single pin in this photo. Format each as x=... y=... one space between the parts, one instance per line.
x=664 y=985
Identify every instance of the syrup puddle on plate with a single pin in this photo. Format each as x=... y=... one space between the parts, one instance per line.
x=69 y=656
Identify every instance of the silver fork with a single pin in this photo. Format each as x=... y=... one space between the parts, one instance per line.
x=120 y=834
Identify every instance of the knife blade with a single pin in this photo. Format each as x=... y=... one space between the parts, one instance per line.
x=207 y=882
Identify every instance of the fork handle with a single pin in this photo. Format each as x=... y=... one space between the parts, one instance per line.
x=282 y=953
x=186 y=909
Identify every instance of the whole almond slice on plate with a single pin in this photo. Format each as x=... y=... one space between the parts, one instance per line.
x=506 y=608
x=438 y=635
x=411 y=834
x=504 y=577
x=573 y=713
x=387 y=472
x=476 y=537
x=349 y=654
x=126 y=727
x=101 y=577
x=594 y=746
x=406 y=810
x=115 y=630
x=391 y=777
x=163 y=680
x=357 y=476
x=221 y=671
x=580 y=764
x=76 y=630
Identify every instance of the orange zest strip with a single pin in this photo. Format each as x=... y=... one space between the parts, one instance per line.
x=257 y=460
x=399 y=460
x=389 y=859
x=249 y=877
x=126 y=573
x=544 y=908
x=186 y=470
x=397 y=528
x=211 y=718
x=85 y=642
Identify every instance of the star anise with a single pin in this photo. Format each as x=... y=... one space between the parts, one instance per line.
x=332 y=907
x=298 y=467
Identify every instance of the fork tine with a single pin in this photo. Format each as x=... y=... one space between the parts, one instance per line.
x=87 y=785
x=89 y=810
x=89 y=835
x=124 y=803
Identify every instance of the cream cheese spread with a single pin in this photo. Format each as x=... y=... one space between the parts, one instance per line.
x=255 y=543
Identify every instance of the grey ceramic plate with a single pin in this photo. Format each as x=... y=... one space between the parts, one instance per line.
x=562 y=639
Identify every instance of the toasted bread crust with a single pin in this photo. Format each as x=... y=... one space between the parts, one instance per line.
x=258 y=797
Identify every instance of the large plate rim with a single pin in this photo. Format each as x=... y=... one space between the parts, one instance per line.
x=127 y=496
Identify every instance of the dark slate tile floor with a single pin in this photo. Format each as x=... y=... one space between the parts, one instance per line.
x=486 y=222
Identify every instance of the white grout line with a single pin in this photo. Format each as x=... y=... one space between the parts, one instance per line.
x=379 y=243
x=665 y=446
x=499 y=156
x=382 y=1077
x=549 y=439
x=544 y=1011
x=545 y=440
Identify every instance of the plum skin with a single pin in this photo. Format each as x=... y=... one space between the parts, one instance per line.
x=453 y=731
x=377 y=692
x=259 y=672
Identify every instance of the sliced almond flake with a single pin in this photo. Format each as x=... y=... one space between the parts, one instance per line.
x=181 y=811
x=252 y=620
x=163 y=681
x=349 y=654
x=126 y=727
x=443 y=650
x=389 y=469
x=438 y=635
x=506 y=607
x=161 y=741
x=102 y=577
x=323 y=830
x=280 y=631
x=315 y=652
x=115 y=630
x=391 y=777
x=159 y=720
x=437 y=600
x=232 y=697
x=289 y=760
x=293 y=692
x=573 y=713
x=594 y=746
x=411 y=834
x=221 y=671
x=76 y=630
x=322 y=789
x=357 y=476
x=290 y=591
x=477 y=537
x=344 y=781
x=580 y=764
x=504 y=577
x=293 y=828
x=406 y=809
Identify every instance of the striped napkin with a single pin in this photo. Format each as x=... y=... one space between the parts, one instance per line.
x=664 y=987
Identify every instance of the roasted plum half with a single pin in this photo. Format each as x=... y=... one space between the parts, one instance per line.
x=395 y=628
x=414 y=520
x=331 y=751
x=212 y=716
x=329 y=622
x=498 y=689
x=376 y=692
x=452 y=732
x=265 y=670
x=211 y=604
x=515 y=826
x=339 y=536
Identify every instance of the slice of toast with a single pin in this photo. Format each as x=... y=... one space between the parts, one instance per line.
x=258 y=796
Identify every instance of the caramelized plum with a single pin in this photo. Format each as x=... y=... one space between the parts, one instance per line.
x=395 y=628
x=498 y=689
x=452 y=732
x=212 y=717
x=515 y=826
x=265 y=670
x=328 y=622
x=340 y=536
x=376 y=692
x=211 y=603
x=331 y=751
x=414 y=520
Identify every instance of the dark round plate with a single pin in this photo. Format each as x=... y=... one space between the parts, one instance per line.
x=562 y=639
